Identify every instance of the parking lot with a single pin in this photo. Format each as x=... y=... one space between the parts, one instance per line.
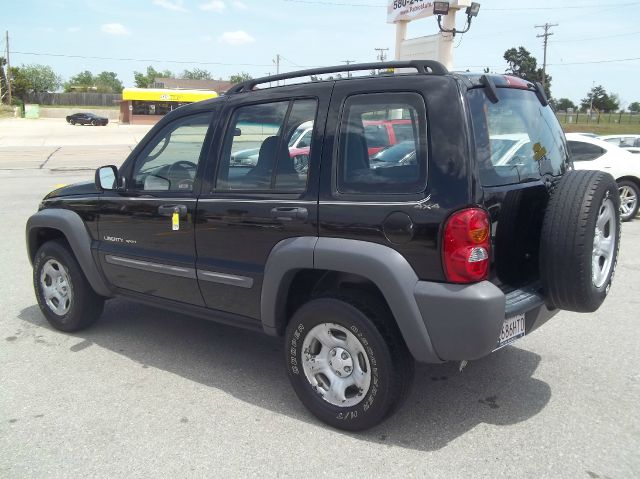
x=148 y=393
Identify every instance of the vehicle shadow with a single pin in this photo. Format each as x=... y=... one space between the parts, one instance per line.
x=443 y=405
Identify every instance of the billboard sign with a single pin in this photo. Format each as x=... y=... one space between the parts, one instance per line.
x=407 y=10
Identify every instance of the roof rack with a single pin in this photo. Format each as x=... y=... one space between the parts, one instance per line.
x=422 y=66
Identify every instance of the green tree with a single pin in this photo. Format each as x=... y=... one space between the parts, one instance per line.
x=196 y=74
x=20 y=85
x=41 y=78
x=563 y=104
x=83 y=81
x=107 y=82
x=522 y=64
x=33 y=78
x=240 y=77
x=146 y=80
x=635 y=107
x=602 y=101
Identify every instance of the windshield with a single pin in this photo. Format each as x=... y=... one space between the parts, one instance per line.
x=517 y=139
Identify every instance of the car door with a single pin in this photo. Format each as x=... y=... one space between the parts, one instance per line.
x=248 y=208
x=147 y=232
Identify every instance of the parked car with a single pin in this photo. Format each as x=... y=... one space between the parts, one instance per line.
x=595 y=154
x=87 y=119
x=361 y=270
x=623 y=141
x=381 y=134
x=403 y=153
x=299 y=145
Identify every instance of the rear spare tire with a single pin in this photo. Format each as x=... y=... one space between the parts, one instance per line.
x=580 y=240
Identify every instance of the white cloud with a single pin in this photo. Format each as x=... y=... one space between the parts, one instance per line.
x=73 y=29
x=238 y=37
x=175 y=5
x=240 y=5
x=217 y=6
x=115 y=29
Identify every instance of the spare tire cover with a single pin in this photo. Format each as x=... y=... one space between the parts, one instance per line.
x=580 y=240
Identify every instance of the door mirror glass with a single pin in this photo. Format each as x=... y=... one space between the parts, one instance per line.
x=106 y=178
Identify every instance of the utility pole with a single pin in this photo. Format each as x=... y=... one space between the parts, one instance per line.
x=277 y=62
x=8 y=75
x=348 y=62
x=546 y=36
x=382 y=55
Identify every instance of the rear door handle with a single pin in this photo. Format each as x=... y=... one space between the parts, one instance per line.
x=288 y=213
x=168 y=210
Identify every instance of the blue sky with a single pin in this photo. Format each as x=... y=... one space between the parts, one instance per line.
x=245 y=35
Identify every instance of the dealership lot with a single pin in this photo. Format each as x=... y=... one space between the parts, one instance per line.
x=150 y=393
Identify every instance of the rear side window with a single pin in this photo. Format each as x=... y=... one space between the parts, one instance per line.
x=259 y=152
x=516 y=139
x=357 y=168
x=581 y=151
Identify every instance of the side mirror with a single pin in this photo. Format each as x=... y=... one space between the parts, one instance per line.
x=107 y=178
x=237 y=132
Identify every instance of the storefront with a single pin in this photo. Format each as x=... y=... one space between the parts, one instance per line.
x=145 y=106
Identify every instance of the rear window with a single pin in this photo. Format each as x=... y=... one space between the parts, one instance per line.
x=517 y=139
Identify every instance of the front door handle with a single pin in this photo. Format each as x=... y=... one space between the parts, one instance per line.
x=168 y=210
x=288 y=213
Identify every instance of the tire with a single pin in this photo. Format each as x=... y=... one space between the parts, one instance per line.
x=629 y=194
x=73 y=304
x=94 y=123
x=73 y=122
x=362 y=326
x=580 y=241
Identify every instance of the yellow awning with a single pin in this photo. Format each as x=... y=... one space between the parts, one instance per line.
x=161 y=94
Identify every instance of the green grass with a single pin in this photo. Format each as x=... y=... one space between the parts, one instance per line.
x=602 y=128
x=6 y=111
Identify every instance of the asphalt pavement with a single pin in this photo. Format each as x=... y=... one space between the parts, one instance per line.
x=148 y=393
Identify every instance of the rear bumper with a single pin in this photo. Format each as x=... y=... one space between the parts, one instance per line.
x=464 y=321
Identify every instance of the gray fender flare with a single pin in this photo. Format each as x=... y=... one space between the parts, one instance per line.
x=74 y=230
x=384 y=266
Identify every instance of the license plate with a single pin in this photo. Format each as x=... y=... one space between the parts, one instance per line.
x=512 y=329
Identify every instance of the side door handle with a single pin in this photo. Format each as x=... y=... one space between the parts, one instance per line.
x=288 y=213
x=168 y=210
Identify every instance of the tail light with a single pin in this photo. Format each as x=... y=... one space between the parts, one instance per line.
x=465 y=252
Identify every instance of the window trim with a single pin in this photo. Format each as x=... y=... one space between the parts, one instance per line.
x=202 y=159
x=217 y=192
x=422 y=153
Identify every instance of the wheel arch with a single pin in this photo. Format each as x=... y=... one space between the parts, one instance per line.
x=51 y=224
x=634 y=179
x=322 y=261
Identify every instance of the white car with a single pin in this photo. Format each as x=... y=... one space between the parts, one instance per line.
x=595 y=154
x=623 y=141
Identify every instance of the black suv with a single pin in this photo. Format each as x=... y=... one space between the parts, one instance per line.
x=466 y=241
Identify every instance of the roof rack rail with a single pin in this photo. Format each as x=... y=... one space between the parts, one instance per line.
x=422 y=66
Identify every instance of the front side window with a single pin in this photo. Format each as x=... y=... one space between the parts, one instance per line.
x=582 y=151
x=170 y=161
x=516 y=139
x=262 y=151
x=362 y=166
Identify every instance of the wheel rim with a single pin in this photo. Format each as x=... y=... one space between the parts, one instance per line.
x=336 y=365
x=604 y=243
x=628 y=201
x=56 y=287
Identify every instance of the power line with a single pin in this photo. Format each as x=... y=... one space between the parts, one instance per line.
x=156 y=60
x=595 y=38
x=557 y=64
x=506 y=9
